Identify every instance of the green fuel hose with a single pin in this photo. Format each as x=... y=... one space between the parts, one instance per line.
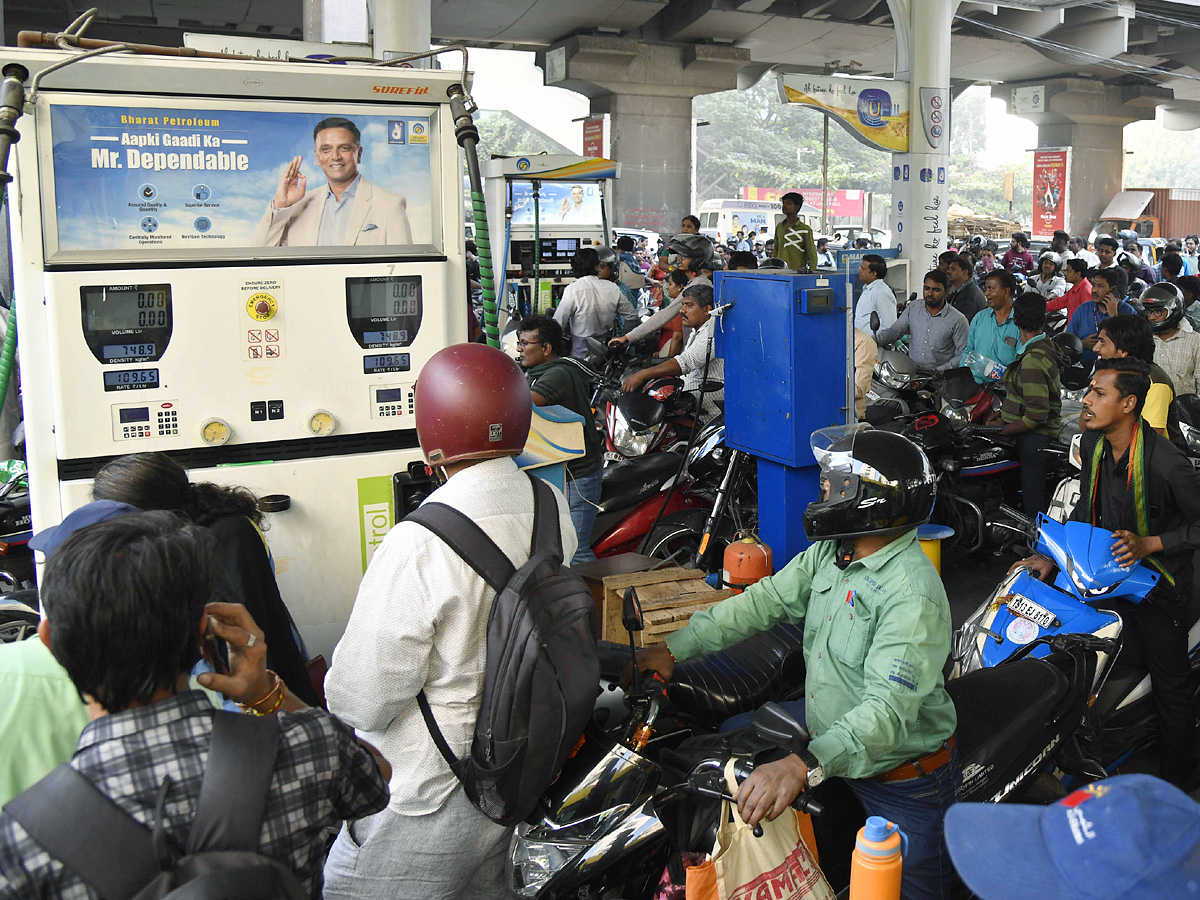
x=467 y=136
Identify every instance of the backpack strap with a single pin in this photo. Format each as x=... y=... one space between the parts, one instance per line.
x=547 y=535
x=77 y=824
x=233 y=795
x=468 y=540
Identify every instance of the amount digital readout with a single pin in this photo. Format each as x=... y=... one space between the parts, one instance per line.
x=387 y=362
x=130 y=352
x=131 y=380
x=385 y=338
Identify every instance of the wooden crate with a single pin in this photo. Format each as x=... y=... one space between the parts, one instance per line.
x=668 y=596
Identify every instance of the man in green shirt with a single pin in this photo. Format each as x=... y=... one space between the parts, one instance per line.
x=555 y=379
x=877 y=634
x=793 y=238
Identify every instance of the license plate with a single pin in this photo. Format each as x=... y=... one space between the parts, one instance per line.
x=1027 y=609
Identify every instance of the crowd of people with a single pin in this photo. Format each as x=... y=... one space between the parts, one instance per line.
x=162 y=617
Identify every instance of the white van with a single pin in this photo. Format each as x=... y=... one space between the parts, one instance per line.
x=721 y=220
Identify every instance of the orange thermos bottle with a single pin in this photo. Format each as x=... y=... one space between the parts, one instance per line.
x=877 y=861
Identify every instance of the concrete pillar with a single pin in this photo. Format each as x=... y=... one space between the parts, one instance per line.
x=647 y=91
x=328 y=21
x=401 y=25
x=920 y=183
x=1089 y=117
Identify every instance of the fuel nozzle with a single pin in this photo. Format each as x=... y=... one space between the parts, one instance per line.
x=462 y=107
x=12 y=105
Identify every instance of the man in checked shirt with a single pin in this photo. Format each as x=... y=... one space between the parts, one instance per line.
x=126 y=606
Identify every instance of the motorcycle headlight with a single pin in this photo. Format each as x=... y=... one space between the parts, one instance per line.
x=629 y=442
x=1192 y=436
x=957 y=416
x=537 y=852
x=892 y=378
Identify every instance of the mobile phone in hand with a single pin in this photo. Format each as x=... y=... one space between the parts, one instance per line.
x=217 y=652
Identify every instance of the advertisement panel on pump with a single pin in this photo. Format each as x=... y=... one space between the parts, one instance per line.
x=156 y=181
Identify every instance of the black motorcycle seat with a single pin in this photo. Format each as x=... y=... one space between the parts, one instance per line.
x=999 y=706
x=767 y=666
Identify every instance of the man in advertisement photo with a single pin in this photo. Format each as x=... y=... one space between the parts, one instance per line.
x=347 y=211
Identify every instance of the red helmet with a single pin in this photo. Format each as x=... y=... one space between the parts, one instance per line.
x=472 y=402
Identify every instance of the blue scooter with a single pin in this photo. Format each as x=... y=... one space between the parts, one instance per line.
x=1067 y=625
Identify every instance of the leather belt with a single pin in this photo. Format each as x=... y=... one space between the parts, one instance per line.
x=923 y=766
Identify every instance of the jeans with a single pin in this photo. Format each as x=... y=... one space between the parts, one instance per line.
x=917 y=805
x=583 y=498
x=1035 y=466
x=455 y=853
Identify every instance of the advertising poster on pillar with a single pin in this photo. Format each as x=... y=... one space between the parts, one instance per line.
x=158 y=182
x=873 y=110
x=1051 y=171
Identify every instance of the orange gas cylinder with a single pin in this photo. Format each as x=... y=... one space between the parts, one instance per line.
x=746 y=561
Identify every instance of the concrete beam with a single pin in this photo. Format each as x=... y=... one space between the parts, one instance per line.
x=647 y=91
x=1181 y=115
x=1085 y=101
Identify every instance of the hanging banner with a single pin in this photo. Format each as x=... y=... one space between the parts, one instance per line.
x=1051 y=176
x=593 y=138
x=873 y=110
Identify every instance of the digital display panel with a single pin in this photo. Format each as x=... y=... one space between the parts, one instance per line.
x=112 y=352
x=128 y=416
x=559 y=203
x=126 y=308
x=131 y=379
x=386 y=362
x=389 y=395
x=126 y=323
x=559 y=249
x=385 y=337
x=385 y=310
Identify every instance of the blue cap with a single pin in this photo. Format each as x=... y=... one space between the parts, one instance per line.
x=1132 y=837
x=49 y=539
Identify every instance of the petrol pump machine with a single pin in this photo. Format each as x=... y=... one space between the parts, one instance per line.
x=188 y=280
x=787 y=344
x=553 y=206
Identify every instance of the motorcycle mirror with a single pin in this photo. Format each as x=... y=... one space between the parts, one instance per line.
x=595 y=346
x=775 y=724
x=711 y=387
x=874 y=321
x=631 y=611
x=912 y=297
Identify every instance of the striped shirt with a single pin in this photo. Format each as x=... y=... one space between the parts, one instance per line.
x=1034 y=392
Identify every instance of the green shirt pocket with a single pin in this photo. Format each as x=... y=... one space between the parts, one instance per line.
x=850 y=635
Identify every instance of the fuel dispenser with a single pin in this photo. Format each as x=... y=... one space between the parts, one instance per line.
x=170 y=298
x=553 y=206
x=787 y=344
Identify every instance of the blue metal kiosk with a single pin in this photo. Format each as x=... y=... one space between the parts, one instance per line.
x=788 y=347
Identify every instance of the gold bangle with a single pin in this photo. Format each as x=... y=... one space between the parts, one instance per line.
x=274 y=709
x=267 y=695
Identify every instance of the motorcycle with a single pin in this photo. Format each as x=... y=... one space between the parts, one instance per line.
x=715 y=499
x=1026 y=618
x=978 y=475
x=629 y=802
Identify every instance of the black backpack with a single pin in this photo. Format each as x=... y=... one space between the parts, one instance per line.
x=542 y=665
x=122 y=859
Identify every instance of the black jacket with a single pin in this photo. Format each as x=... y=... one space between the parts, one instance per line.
x=1172 y=504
